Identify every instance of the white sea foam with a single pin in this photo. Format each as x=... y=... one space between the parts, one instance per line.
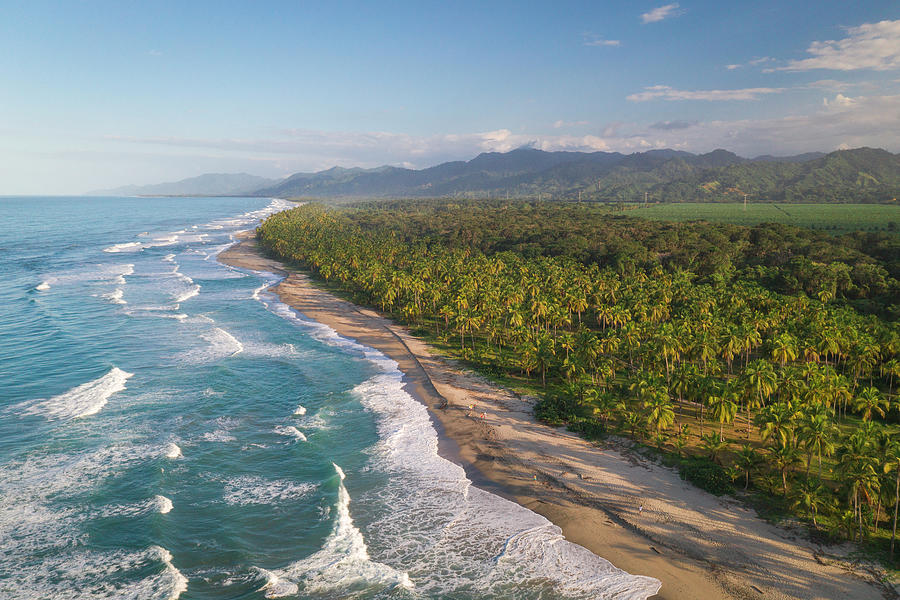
x=172 y=450
x=219 y=435
x=222 y=432
x=217 y=250
x=157 y=504
x=169 y=258
x=81 y=401
x=219 y=345
x=163 y=504
x=254 y=296
x=290 y=431
x=191 y=238
x=181 y=275
x=300 y=410
x=92 y=575
x=186 y=295
x=115 y=296
x=251 y=489
x=42 y=533
x=274 y=586
x=97 y=273
x=126 y=247
x=343 y=561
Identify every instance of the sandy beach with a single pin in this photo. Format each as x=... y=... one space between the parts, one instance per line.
x=700 y=546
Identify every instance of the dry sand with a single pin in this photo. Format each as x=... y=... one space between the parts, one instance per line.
x=700 y=546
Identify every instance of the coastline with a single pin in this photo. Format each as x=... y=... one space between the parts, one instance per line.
x=698 y=545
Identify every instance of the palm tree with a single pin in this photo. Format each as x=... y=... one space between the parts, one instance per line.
x=810 y=497
x=817 y=433
x=659 y=411
x=746 y=460
x=723 y=408
x=892 y=452
x=633 y=420
x=543 y=350
x=784 y=348
x=714 y=444
x=868 y=401
x=857 y=468
x=776 y=422
x=783 y=456
x=681 y=439
x=761 y=381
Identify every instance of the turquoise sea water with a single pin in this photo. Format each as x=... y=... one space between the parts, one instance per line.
x=168 y=429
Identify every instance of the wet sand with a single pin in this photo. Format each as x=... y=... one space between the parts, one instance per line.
x=700 y=546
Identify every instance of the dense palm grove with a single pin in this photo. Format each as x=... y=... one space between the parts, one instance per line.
x=792 y=395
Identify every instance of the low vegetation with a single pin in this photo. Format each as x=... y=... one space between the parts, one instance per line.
x=832 y=218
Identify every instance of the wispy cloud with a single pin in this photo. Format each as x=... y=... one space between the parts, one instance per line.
x=660 y=13
x=560 y=124
x=672 y=125
x=841 y=122
x=601 y=42
x=154 y=52
x=664 y=92
x=750 y=63
x=873 y=46
x=829 y=84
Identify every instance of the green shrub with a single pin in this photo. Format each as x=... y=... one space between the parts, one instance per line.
x=707 y=476
x=591 y=430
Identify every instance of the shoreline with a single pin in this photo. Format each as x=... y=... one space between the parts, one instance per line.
x=626 y=509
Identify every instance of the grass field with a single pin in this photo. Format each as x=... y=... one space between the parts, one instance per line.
x=836 y=218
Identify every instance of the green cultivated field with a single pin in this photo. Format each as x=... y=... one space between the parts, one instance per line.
x=839 y=218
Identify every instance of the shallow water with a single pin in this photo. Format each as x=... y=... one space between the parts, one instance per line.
x=168 y=429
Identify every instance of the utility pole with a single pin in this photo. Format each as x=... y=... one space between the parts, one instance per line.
x=745 y=202
x=645 y=199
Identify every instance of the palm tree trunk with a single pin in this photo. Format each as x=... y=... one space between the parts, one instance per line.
x=896 y=502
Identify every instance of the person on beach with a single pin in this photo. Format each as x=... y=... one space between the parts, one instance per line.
x=641 y=509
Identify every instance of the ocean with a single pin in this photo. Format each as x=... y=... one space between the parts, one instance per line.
x=169 y=429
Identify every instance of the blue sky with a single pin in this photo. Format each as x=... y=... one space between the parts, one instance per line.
x=99 y=94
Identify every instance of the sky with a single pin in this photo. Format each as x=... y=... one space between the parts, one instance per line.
x=101 y=94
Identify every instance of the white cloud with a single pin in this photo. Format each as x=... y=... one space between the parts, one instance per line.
x=873 y=46
x=672 y=125
x=852 y=122
x=664 y=92
x=660 y=13
x=154 y=52
x=560 y=124
x=602 y=42
x=732 y=67
x=840 y=100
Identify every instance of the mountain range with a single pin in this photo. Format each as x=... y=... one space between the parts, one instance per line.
x=210 y=184
x=859 y=175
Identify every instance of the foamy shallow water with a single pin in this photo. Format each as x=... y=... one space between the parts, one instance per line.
x=171 y=430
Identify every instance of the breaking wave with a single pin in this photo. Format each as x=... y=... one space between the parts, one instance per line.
x=81 y=401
